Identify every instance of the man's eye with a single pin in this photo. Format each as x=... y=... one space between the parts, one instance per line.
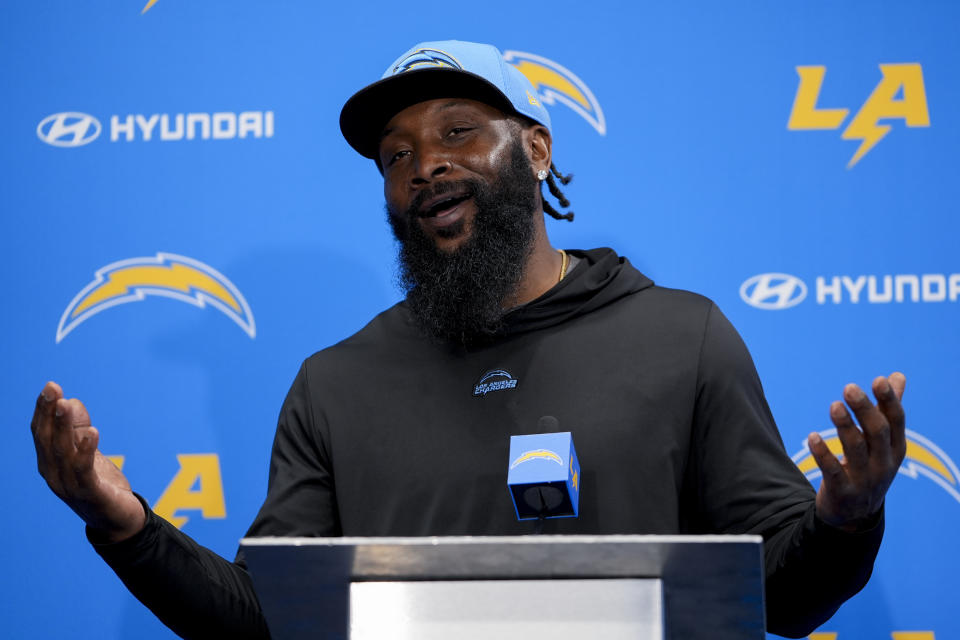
x=458 y=130
x=397 y=156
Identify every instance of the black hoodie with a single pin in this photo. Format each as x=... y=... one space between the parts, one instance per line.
x=390 y=434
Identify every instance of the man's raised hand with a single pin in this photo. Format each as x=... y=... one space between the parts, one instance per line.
x=75 y=470
x=852 y=491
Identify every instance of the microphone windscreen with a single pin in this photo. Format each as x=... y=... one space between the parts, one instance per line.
x=544 y=473
x=548 y=424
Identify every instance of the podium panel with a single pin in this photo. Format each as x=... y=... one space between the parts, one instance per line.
x=642 y=587
x=507 y=610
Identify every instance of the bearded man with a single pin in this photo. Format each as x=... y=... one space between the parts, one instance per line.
x=390 y=433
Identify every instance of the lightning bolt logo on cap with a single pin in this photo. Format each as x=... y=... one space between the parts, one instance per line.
x=555 y=82
x=923 y=458
x=427 y=58
x=167 y=275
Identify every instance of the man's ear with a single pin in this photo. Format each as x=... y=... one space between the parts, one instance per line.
x=539 y=146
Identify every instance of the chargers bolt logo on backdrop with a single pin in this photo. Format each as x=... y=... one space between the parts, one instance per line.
x=923 y=458
x=69 y=129
x=900 y=94
x=495 y=380
x=773 y=291
x=167 y=275
x=556 y=83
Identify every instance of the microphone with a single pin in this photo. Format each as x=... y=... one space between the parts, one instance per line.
x=544 y=473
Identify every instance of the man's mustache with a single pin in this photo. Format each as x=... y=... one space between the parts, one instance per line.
x=468 y=188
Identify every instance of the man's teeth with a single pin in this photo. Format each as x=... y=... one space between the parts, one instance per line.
x=446 y=204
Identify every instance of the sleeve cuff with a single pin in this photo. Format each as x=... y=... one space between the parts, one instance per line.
x=131 y=548
x=870 y=528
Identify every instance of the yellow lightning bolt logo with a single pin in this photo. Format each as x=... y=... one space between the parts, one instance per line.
x=903 y=80
x=147 y=6
x=541 y=76
x=555 y=83
x=541 y=454
x=924 y=458
x=882 y=103
x=167 y=275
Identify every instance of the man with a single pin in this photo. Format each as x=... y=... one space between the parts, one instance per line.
x=392 y=431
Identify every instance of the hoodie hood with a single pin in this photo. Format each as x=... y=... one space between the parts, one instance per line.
x=601 y=277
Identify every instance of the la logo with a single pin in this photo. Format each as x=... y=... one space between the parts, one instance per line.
x=899 y=94
x=197 y=486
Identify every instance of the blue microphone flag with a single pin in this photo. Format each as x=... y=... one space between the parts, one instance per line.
x=544 y=476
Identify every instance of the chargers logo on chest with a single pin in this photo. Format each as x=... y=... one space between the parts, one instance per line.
x=494 y=380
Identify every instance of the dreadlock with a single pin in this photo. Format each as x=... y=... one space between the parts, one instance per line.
x=555 y=190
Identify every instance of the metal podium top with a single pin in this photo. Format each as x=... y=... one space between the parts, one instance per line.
x=512 y=557
x=709 y=582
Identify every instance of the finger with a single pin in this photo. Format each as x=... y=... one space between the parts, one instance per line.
x=42 y=425
x=876 y=429
x=76 y=467
x=87 y=440
x=830 y=467
x=888 y=401
x=42 y=420
x=899 y=382
x=855 y=449
x=42 y=428
x=69 y=415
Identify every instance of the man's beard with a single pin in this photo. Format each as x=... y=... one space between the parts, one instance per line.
x=458 y=296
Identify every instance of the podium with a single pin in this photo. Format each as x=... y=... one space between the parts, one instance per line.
x=511 y=587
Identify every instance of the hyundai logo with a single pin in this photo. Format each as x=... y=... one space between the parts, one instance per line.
x=773 y=291
x=68 y=129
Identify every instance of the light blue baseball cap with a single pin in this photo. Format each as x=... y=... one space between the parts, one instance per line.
x=430 y=70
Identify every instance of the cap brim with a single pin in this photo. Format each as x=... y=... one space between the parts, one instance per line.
x=367 y=112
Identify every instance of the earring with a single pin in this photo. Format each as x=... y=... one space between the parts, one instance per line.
x=542 y=175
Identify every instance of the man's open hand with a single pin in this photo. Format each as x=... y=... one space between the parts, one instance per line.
x=81 y=476
x=852 y=491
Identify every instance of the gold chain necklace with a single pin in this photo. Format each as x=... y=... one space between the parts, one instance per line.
x=564 y=262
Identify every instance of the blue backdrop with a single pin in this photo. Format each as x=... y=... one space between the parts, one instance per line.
x=183 y=224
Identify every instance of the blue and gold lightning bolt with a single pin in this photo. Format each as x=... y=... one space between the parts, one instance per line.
x=167 y=275
x=924 y=458
x=537 y=454
x=555 y=82
x=905 y=79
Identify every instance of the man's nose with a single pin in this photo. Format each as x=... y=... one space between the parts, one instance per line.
x=432 y=163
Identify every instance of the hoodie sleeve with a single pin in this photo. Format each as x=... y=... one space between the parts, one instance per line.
x=189 y=588
x=199 y=594
x=746 y=483
x=300 y=492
